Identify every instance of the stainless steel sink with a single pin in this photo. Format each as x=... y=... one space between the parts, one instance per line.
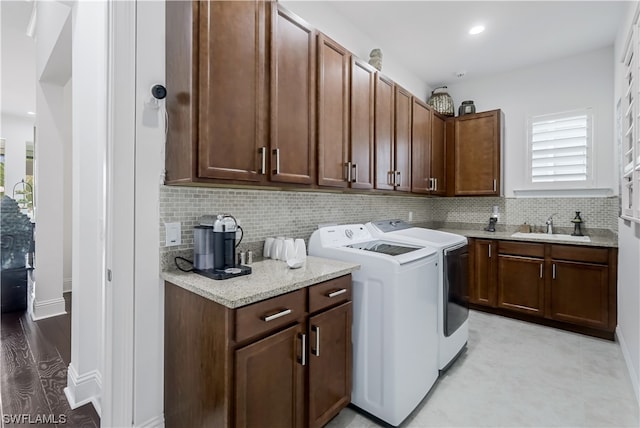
x=553 y=237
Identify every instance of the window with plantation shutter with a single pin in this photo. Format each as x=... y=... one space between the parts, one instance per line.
x=560 y=147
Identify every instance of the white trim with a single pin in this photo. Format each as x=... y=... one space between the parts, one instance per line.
x=83 y=389
x=564 y=193
x=633 y=376
x=47 y=308
x=155 y=422
x=66 y=285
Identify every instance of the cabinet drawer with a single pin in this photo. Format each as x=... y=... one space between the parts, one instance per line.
x=521 y=248
x=580 y=254
x=329 y=293
x=270 y=314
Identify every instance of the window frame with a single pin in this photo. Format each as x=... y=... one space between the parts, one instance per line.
x=590 y=164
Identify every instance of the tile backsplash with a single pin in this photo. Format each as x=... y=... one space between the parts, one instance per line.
x=264 y=213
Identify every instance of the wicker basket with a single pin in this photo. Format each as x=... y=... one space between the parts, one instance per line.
x=442 y=102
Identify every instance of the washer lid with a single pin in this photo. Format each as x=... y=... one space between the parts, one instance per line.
x=384 y=247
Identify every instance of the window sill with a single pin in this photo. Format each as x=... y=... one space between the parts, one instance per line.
x=564 y=193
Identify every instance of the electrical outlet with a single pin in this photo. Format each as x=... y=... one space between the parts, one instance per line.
x=173 y=234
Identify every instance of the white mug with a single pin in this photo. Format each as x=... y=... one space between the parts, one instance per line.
x=289 y=250
x=301 y=249
x=277 y=252
x=267 y=251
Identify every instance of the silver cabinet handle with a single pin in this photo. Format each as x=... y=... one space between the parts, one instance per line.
x=316 y=351
x=540 y=270
x=553 y=271
x=489 y=250
x=304 y=350
x=495 y=184
x=355 y=173
x=348 y=166
x=337 y=292
x=391 y=178
x=430 y=188
x=399 y=181
x=276 y=316
x=435 y=186
x=277 y=153
x=263 y=161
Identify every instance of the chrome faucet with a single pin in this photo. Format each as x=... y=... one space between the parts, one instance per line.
x=549 y=224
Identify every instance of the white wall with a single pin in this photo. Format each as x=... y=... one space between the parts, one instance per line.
x=149 y=289
x=628 y=331
x=89 y=130
x=16 y=131
x=568 y=84
x=67 y=190
x=325 y=18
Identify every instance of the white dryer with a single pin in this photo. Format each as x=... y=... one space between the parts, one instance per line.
x=395 y=307
x=453 y=309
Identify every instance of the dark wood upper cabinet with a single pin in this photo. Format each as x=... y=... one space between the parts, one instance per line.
x=421 y=178
x=384 y=132
x=438 y=154
x=403 y=139
x=293 y=88
x=333 y=113
x=477 y=143
x=362 y=124
x=217 y=87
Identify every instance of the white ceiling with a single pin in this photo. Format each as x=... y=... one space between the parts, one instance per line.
x=431 y=37
x=18 y=85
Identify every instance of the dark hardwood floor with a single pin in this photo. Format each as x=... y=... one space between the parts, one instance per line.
x=33 y=372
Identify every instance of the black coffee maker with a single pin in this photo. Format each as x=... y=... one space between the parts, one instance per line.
x=225 y=227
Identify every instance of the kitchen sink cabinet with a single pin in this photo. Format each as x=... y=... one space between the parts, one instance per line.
x=285 y=361
x=476 y=161
x=428 y=155
x=566 y=286
x=483 y=260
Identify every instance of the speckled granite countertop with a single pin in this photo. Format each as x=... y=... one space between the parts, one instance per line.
x=269 y=278
x=598 y=239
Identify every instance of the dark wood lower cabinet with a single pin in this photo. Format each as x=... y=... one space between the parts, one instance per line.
x=579 y=293
x=224 y=368
x=521 y=284
x=270 y=381
x=329 y=364
x=566 y=286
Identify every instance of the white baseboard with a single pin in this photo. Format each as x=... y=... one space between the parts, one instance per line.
x=83 y=389
x=155 y=422
x=66 y=285
x=631 y=365
x=40 y=309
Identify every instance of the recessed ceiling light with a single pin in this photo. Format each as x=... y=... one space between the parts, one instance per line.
x=31 y=113
x=476 y=30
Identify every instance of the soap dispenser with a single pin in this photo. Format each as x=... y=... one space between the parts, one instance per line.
x=577 y=225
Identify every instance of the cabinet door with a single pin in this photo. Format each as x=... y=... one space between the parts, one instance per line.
x=330 y=363
x=477 y=154
x=384 y=135
x=421 y=178
x=293 y=80
x=333 y=113
x=232 y=90
x=403 y=139
x=579 y=293
x=521 y=284
x=438 y=155
x=270 y=381
x=362 y=124
x=484 y=273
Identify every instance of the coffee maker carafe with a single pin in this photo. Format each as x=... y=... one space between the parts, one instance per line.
x=224 y=241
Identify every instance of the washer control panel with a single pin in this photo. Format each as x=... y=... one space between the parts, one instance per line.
x=345 y=234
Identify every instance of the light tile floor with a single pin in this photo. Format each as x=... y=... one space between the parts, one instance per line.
x=517 y=374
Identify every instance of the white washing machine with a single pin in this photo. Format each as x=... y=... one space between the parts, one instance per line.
x=395 y=307
x=453 y=298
